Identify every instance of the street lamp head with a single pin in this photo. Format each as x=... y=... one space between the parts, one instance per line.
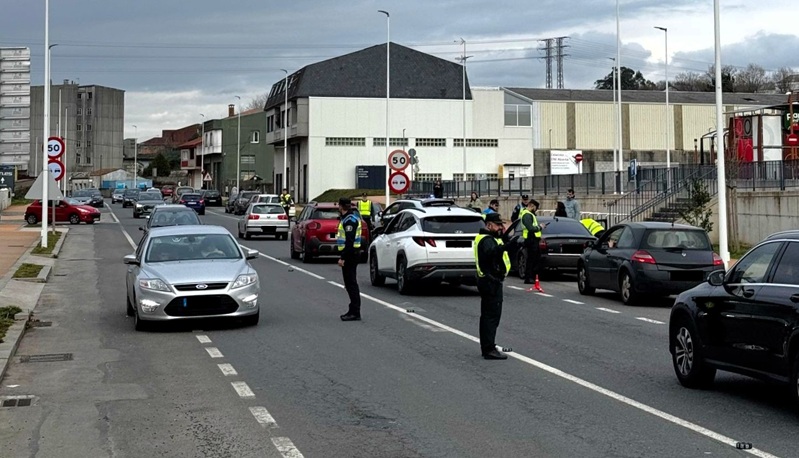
x=665 y=29
x=384 y=12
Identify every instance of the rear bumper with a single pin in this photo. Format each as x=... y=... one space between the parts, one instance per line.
x=660 y=281
x=89 y=217
x=264 y=229
x=560 y=261
x=465 y=273
x=320 y=248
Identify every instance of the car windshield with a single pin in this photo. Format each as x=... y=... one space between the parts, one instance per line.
x=95 y=192
x=564 y=226
x=453 y=224
x=82 y=193
x=685 y=239
x=174 y=218
x=150 y=196
x=131 y=192
x=192 y=247
x=72 y=201
x=325 y=213
x=247 y=195
x=185 y=190
x=190 y=197
x=212 y=193
x=268 y=210
x=272 y=200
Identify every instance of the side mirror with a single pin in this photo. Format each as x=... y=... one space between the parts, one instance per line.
x=380 y=213
x=603 y=247
x=589 y=244
x=251 y=254
x=141 y=228
x=131 y=260
x=716 y=278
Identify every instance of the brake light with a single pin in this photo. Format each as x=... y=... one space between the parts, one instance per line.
x=182 y=201
x=542 y=245
x=421 y=241
x=643 y=257
x=717 y=261
x=283 y=216
x=202 y=201
x=314 y=226
x=253 y=217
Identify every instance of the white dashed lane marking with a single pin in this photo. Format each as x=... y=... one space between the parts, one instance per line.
x=214 y=352
x=516 y=288
x=544 y=294
x=203 y=339
x=227 y=369
x=243 y=389
x=263 y=417
x=286 y=447
x=573 y=302
x=603 y=309
x=336 y=284
x=649 y=320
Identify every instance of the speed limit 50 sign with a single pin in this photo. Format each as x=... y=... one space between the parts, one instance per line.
x=55 y=147
x=398 y=160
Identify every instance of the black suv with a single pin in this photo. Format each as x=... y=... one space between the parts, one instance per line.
x=129 y=197
x=384 y=217
x=745 y=321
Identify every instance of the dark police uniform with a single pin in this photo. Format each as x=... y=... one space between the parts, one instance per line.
x=493 y=264
x=531 y=232
x=348 y=239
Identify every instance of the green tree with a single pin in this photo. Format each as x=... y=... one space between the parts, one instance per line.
x=630 y=80
x=161 y=164
x=696 y=212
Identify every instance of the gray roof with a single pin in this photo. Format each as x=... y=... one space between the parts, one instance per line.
x=678 y=97
x=414 y=75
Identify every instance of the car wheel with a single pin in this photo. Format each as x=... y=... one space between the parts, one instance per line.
x=582 y=282
x=252 y=320
x=130 y=310
x=795 y=378
x=226 y=210
x=135 y=215
x=306 y=254
x=278 y=236
x=292 y=251
x=241 y=235
x=31 y=219
x=403 y=284
x=139 y=324
x=374 y=274
x=284 y=237
x=74 y=219
x=627 y=289
x=521 y=262
x=689 y=365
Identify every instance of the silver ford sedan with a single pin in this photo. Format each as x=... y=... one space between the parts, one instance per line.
x=183 y=272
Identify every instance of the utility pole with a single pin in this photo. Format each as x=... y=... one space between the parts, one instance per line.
x=548 y=46
x=553 y=50
x=559 y=55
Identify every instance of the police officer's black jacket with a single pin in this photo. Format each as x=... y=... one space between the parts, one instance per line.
x=489 y=256
x=350 y=232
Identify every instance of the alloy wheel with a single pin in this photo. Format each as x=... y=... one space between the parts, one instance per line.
x=401 y=276
x=625 y=288
x=684 y=352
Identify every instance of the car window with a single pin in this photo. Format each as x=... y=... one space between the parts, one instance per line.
x=453 y=224
x=564 y=226
x=267 y=210
x=612 y=237
x=787 y=271
x=513 y=229
x=392 y=226
x=190 y=197
x=408 y=221
x=626 y=239
x=150 y=196
x=192 y=247
x=174 y=218
x=392 y=209
x=325 y=213
x=753 y=267
x=686 y=239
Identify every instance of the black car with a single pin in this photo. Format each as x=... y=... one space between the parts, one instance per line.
x=171 y=215
x=746 y=321
x=243 y=201
x=145 y=203
x=647 y=258
x=562 y=242
x=129 y=197
x=91 y=197
x=212 y=197
x=231 y=203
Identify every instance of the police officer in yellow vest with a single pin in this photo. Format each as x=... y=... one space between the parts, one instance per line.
x=285 y=201
x=493 y=264
x=531 y=233
x=348 y=240
x=365 y=209
x=593 y=226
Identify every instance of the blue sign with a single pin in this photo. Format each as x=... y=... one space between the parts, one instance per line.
x=7 y=177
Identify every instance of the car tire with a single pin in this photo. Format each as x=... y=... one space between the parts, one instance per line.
x=521 y=262
x=795 y=378
x=374 y=274
x=139 y=324
x=403 y=283
x=278 y=236
x=247 y=235
x=627 y=289
x=583 y=283
x=135 y=215
x=252 y=320
x=226 y=210
x=91 y=221
x=31 y=219
x=284 y=237
x=74 y=218
x=241 y=235
x=292 y=252
x=689 y=364
x=306 y=255
x=130 y=310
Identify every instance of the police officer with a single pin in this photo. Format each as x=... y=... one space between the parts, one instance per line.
x=593 y=226
x=531 y=233
x=285 y=200
x=365 y=209
x=493 y=264
x=348 y=240
x=518 y=208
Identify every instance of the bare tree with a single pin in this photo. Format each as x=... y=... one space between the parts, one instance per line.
x=752 y=79
x=689 y=81
x=782 y=79
x=728 y=76
x=257 y=102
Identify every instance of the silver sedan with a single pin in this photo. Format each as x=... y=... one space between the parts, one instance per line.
x=264 y=219
x=183 y=272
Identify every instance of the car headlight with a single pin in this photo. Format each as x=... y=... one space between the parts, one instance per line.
x=138 y=205
x=154 y=284
x=244 y=280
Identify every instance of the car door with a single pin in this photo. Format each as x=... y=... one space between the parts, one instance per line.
x=598 y=263
x=61 y=210
x=620 y=251
x=133 y=270
x=386 y=258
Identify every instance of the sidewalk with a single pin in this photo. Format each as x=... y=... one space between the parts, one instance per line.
x=14 y=242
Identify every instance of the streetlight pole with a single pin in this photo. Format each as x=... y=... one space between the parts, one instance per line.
x=238 y=146
x=619 y=166
x=46 y=128
x=668 y=120
x=202 y=155
x=388 y=96
x=286 y=131
x=135 y=156
x=463 y=81
x=722 y=179
x=615 y=124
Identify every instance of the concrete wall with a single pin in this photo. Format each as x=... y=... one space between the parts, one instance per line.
x=762 y=213
x=5 y=198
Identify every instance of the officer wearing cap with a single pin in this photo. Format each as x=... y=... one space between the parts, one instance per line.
x=365 y=209
x=493 y=264
x=348 y=240
x=531 y=233
x=518 y=208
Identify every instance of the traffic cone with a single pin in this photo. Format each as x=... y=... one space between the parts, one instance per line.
x=537 y=285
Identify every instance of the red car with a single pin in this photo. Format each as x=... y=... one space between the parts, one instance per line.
x=167 y=190
x=67 y=210
x=314 y=234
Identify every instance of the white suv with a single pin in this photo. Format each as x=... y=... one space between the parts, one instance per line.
x=426 y=245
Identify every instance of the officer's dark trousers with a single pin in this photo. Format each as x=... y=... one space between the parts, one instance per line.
x=490 y=312
x=533 y=258
x=349 y=272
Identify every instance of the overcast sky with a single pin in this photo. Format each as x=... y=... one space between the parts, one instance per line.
x=179 y=58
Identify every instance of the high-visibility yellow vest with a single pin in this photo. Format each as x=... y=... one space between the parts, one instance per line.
x=525 y=232
x=505 y=257
x=286 y=200
x=592 y=226
x=341 y=236
x=365 y=207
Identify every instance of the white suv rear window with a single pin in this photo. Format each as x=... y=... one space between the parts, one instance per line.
x=453 y=224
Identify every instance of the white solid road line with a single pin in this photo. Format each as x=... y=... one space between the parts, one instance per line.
x=286 y=447
x=214 y=352
x=339 y=285
x=203 y=339
x=649 y=320
x=263 y=417
x=603 y=309
x=124 y=232
x=516 y=288
x=116 y=220
x=242 y=389
x=544 y=294
x=227 y=369
x=573 y=302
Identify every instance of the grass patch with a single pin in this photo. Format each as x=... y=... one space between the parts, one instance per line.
x=7 y=319
x=735 y=254
x=28 y=271
x=333 y=195
x=20 y=200
x=52 y=238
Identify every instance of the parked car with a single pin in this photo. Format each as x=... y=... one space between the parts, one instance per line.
x=272 y=199
x=146 y=202
x=562 y=242
x=129 y=197
x=66 y=210
x=212 y=197
x=243 y=201
x=194 y=201
x=191 y=272
x=647 y=259
x=91 y=197
x=426 y=245
x=230 y=205
x=745 y=321
x=385 y=216
x=264 y=219
x=116 y=195
x=171 y=215
x=314 y=233
x=167 y=190
x=180 y=191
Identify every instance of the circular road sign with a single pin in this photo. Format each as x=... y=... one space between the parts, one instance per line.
x=398 y=183
x=398 y=160
x=56 y=168
x=412 y=152
x=55 y=147
x=578 y=157
x=792 y=140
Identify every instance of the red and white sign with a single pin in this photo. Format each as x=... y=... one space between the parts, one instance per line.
x=398 y=182
x=398 y=160
x=55 y=147
x=792 y=140
x=578 y=158
x=56 y=168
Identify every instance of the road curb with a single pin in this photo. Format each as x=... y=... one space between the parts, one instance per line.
x=8 y=347
x=42 y=277
x=57 y=248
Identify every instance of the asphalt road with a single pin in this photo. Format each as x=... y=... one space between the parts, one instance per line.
x=588 y=376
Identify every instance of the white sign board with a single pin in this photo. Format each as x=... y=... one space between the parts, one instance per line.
x=53 y=191
x=56 y=169
x=563 y=162
x=398 y=183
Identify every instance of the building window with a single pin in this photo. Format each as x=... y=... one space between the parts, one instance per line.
x=80 y=111
x=431 y=142
x=88 y=127
x=394 y=141
x=248 y=160
x=80 y=126
x=89 y=111
x=477 y=143
x=255 y=136
x=270 y=123
x=88 y=159
x=77 y=143
x=77 y=158
x=80 y=95
x=459 y=177
x=88 y=143
x=90 y=95
x=427 y=176
x=345 y=141
x=518 y=115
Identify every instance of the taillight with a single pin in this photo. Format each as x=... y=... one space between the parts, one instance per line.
x=717 y=261
x=283 y=216
x=253 y=217
x=314 y=226
x=202 y=201
x=421 y=241
x=182 y=201
x=643 y=257
x=542 y=245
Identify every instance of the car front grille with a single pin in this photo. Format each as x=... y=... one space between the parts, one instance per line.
x=193 y=286
x=201 y=305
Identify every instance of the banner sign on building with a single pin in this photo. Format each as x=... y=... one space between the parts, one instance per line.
x=565 y=162
x=15 y=103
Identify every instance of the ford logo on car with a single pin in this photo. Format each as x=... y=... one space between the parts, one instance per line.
x=201 y=286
